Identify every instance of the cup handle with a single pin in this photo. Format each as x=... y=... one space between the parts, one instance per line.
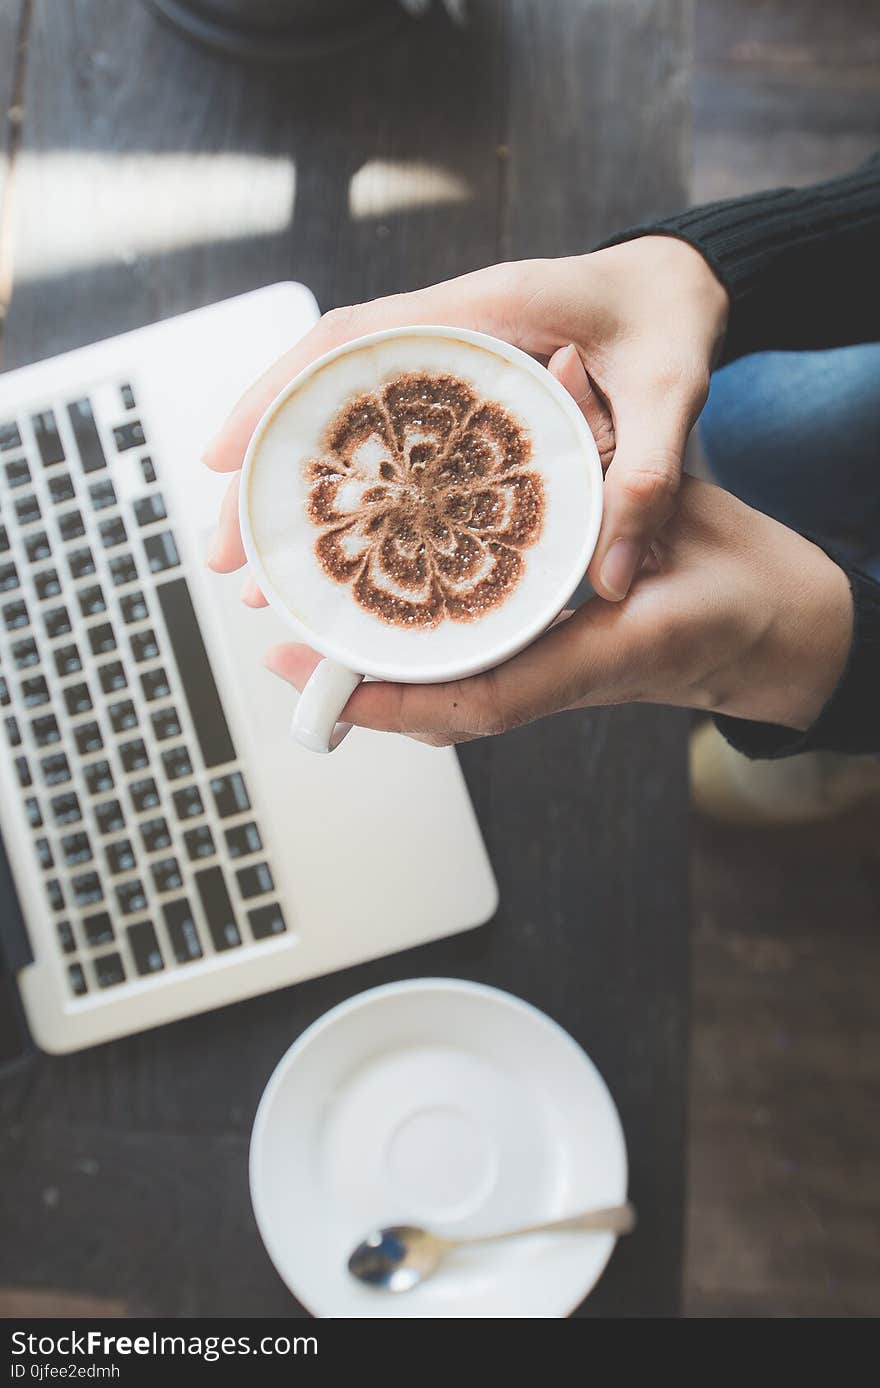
x=315 y=720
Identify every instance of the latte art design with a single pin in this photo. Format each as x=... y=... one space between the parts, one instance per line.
x=425 y=501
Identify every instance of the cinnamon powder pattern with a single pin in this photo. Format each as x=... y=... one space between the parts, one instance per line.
x=425 y=501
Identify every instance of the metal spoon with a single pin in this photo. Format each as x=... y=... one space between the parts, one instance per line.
x=399 y=1257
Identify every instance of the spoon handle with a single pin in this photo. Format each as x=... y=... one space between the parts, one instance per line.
x=613 y=1219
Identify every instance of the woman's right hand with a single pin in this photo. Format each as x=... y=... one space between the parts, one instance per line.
x=636 y=326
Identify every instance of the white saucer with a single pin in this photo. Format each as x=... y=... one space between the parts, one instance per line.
x=447 y=1104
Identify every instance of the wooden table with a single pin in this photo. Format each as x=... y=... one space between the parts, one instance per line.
x=534 y=131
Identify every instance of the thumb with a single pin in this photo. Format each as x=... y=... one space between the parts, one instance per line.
x=640 y=489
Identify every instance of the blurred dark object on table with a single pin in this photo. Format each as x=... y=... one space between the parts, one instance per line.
x=279 y=30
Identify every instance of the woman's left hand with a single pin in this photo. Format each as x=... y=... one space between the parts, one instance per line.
x=733 y=613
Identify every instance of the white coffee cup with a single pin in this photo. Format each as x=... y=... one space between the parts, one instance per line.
x=316 y=721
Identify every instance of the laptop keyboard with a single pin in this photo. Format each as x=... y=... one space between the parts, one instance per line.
x=139 y=812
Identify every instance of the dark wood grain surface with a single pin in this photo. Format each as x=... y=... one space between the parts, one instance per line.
x=123 y=1170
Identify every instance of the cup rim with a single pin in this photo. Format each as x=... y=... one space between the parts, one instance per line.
x=523 y=635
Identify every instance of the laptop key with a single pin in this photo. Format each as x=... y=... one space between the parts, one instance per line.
x=217 y=908
x=255 y=880
x=8 y=578
x=182 y=931
x=87 y=889
x=155 y=685
x=47 y=584
x=61 y=488
x=266 y=920
x=35 y=691
x=45 y=730
x=66 y=808
x=23 y=772
x=27 y=509
x=9 y=436
x=77 y=699
x=199 y=842
x=120 y=857
x=144 y=646
x=134 y=608
x=37 y=547
x=109 y=817
x=148 y=470
x=134 y=755
x=67 y=661
x=131 y=897
x=5 y=696
x=33 y=812
x=161 y=552
x=112 y=677
x=13 y=731
x=109 y=970
x=150 y=508
x=66 y=937
x=76 y=849
x=165 y=724
x=123 y=716
x=55 y=895
x=88 y=738
x=71 y=525
x=166 y=875
x=188 y=803
x=102 y=639
x=113 y=532
x=129 y=436
x=81 y=563
x=123 y=569
x=145 y=948
x=194 y=667
x=230 y=795
x=18 y=474
x=25 y=653
x=98 y=929
x=48 y=439
x=85 y=431
x=127 y=395
x=55 y=769
x=155 y=834
x=177 y=763
x=77 y=980
x=144 y=794
x=99 y=777
x=15 y=615
x=57 y=622
x=103 y=494
x=92 y=601
x=44 y=853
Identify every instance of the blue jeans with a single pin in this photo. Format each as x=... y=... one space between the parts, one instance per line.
x=797 y=435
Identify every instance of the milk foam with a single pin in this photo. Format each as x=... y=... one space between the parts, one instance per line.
x=419 y=501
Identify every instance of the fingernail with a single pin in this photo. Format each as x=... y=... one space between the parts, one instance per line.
x=619 y=568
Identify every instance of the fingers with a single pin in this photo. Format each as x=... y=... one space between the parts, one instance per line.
x=568 y=368
x=252 y=595
x=227 y=551
x=583 y=659
x=640 y=488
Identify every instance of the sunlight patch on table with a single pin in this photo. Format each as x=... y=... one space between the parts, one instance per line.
x=382 y=186
x=82 y=209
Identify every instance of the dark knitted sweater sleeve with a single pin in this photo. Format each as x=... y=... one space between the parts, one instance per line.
x=799 y=264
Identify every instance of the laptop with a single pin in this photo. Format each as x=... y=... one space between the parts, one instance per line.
x=168 y=847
